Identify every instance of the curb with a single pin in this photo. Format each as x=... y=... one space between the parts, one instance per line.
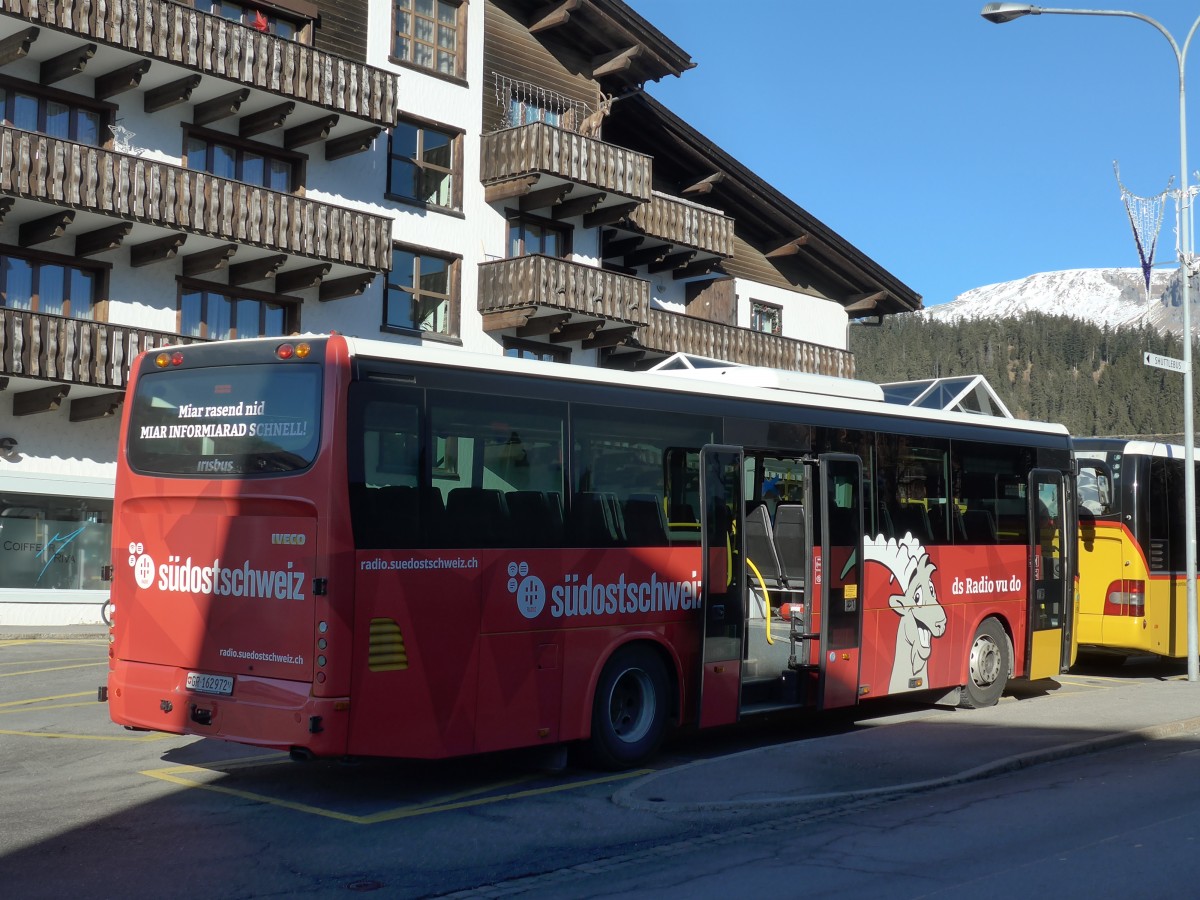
x=55 y=634
x=624 y=797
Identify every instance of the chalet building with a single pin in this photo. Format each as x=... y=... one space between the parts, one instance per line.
x=489 y=174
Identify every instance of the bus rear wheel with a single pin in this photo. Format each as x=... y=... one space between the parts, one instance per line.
x=629 y=713
x=988 y=667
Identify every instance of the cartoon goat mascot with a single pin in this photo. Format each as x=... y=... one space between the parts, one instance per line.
x=922 y=618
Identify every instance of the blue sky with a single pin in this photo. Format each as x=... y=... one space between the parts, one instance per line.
x=954 y=152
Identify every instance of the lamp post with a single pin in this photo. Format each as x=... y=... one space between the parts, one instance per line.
x=1006 y=12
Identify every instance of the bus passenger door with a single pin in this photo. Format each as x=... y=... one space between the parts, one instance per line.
x=838 y=573
x=723 y=578
x=1051 y=555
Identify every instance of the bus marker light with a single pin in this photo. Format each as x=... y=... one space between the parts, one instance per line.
x=302 y=350
x=162 y=360
x=341 y=706
x=176 y=358
x=320 y=678
x=285 y=351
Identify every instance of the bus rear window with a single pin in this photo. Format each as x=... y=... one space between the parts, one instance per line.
x=226 y=420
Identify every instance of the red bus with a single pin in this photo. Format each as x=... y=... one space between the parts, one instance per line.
x=338 y=547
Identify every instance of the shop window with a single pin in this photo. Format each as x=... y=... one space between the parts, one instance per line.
x=54 y=543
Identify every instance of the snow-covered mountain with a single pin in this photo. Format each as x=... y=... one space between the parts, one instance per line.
x=1112 y=297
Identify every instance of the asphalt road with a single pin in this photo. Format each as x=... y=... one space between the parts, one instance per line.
x=89 y=808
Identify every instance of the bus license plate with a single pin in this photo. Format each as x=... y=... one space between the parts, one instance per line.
x=209 y=684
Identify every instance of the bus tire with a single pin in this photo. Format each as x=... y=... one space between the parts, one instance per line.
x=629 y=713
x=988 y=666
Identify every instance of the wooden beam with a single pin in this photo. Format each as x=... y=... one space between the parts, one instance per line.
x=309 y=132
x=6 y=205
x=101 y=406
x=692 y=270
x=502 y=319
x=252 y=270
x=647 y=255
x=577 y=206
x=626 y=362
x=265 y=119
x=351 y=144
x=552 y=15
x=208 y=260
x=168 y=95
x=102 y=239
x=16 y=45
x=577 y=331
x=301 y=279
x=219 y=107
x=545 y=197
x=607 y=215
x=705 y=185
x=610 y=337
x=540 y=325
x=671 y=261
x=161 y=250
x=120 y=80
x=618 y=61
x=3 y=382
x=507 y=190
x=791 y=248
x=28 y=403
x=350 y=286
x=66 y=64
x=38 y=231
x=621 y=246
x=865 y=303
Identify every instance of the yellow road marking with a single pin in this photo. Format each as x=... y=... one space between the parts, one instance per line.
x=47 y=699
x=175 y=775
x=9 y=712
x=50 y=669
x=88 y=737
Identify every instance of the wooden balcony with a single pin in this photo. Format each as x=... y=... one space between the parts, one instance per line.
x=684 y=224
x=176 y=34
x=668 y=332
x=514 y=291
x=513 y=161
x=73 y=351
x=78 y=176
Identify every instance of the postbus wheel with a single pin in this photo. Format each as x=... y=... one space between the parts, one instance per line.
x=629 y=713
x=988 y=667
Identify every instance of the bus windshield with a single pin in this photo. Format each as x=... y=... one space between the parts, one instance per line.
x=226 y=420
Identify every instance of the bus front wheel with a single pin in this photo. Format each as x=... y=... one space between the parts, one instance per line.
x=629 y=713
x=988 y=667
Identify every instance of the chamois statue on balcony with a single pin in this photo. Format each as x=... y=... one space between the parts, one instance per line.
x=589 y=126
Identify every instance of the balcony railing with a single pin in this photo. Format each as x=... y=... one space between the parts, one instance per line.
x=75 y=351
x=685 y=224
x=564 y=286
x=541 y=149
x=674 y=333
x=82 y=177
x=178 y=34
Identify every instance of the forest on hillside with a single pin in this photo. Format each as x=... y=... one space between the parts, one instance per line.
x=1047 y=368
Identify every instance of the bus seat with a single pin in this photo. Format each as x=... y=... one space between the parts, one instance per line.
x=533 y=520
x=790 y=542
x=592 y=523
x=939 y=531
x=478 y=517
x=979 y=526
x=911 y=518
x=760 y=550
x=645 y=522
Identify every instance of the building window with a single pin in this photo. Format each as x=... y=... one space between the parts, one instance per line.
x=49 y=285
x=766 y=317
x=257 y=164
x=55 y=114
x=206 y=312
x=422 y=292
x=424 y=165
x=292 y=25
x=430 y=34
x=518 y=349
x=528 y=235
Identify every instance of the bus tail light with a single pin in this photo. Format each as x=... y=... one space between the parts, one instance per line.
x=162 y=360
x=1126 y=597
x=290 y=351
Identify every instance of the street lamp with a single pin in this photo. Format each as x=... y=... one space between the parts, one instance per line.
x=1006 y=12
